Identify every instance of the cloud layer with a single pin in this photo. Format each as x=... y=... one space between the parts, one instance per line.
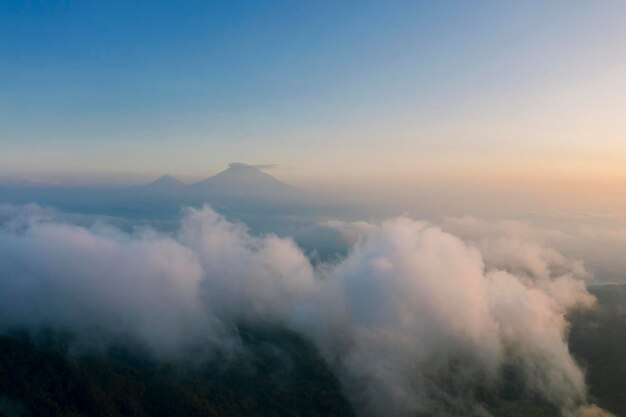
x=412 y=319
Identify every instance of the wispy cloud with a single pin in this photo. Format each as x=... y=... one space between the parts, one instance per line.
x=262 y=167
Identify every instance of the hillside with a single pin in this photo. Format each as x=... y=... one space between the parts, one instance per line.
x=283 y=376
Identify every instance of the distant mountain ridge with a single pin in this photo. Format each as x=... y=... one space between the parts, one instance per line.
x=237 y=181
x=241 y=191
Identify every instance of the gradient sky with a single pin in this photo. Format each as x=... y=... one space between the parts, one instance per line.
x=332 y=91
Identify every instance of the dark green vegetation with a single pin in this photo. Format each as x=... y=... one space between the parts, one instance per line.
x=598 y=342
x=280 y=375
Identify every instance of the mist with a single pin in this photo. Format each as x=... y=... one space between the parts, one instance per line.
x=411 y=317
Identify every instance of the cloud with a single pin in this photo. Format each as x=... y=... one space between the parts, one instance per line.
x=412 y=319
x=517 y=247
x=598 y=244
x=413 y=314
x=262 y=167
x=590 y=411
x=171 y=293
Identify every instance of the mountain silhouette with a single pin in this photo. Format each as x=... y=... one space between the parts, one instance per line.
x=245 y=180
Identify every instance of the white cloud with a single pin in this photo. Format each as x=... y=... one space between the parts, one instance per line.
x=412 y=319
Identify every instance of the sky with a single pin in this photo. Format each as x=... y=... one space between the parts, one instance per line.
x=357 y=93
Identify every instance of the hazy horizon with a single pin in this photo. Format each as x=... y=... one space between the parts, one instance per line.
x=484 y=91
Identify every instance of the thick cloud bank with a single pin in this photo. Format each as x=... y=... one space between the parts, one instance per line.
x=413 y=319
x=171 y=293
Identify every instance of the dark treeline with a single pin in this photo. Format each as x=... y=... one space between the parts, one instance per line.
x=281 y=375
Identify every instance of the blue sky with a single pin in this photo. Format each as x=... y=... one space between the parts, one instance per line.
x=121 y=89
